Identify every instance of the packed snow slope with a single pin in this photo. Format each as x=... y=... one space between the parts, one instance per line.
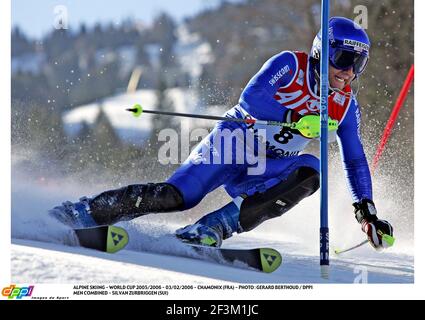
x=44 y=251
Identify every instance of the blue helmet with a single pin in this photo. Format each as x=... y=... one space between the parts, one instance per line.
x=348 y=45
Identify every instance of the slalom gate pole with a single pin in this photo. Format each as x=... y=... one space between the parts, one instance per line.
x=393 y=117
x=324 y=69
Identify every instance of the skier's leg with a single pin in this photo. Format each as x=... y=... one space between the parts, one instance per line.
x=274 y=202
x=125 y=203
x=182 y=191
x=214 y=227
x=185 y=189
x=135 y=200
x=212 y=163
x=256 y=199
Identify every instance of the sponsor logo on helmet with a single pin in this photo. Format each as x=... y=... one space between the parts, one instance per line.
x=359 y=46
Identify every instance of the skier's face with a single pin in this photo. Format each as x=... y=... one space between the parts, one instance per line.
x=338 y=79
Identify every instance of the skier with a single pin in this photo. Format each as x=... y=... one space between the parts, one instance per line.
x=285 y=90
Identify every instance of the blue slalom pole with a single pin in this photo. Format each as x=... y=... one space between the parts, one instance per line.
x=324 y=69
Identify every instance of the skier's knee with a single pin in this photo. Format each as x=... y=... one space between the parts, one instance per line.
x=190 y=187
x=279 y=199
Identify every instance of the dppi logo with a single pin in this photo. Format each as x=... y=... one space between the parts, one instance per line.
x=14 y=292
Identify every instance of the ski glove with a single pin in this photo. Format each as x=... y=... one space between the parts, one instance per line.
x=375 y=229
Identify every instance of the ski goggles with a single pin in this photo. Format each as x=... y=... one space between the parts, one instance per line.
x=344 y=59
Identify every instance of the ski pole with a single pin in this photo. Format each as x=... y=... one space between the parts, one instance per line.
x=389 y=240
x=308 y=126
x=338 y=251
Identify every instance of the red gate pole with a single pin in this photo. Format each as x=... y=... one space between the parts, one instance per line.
x=393 y=117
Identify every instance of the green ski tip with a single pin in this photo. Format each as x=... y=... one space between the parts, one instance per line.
x=117 y=239
x=270 y=259
x=137 y=110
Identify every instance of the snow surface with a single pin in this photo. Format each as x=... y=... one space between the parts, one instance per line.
x=44 y=251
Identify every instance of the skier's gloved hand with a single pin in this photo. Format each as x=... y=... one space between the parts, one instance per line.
x=376 y=230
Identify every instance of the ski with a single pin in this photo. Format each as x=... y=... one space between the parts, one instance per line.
x=261 y=259
x=112 y=239
x=108 y=239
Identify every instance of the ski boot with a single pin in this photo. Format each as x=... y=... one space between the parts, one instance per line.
x=213 y=228
x=75 y=215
